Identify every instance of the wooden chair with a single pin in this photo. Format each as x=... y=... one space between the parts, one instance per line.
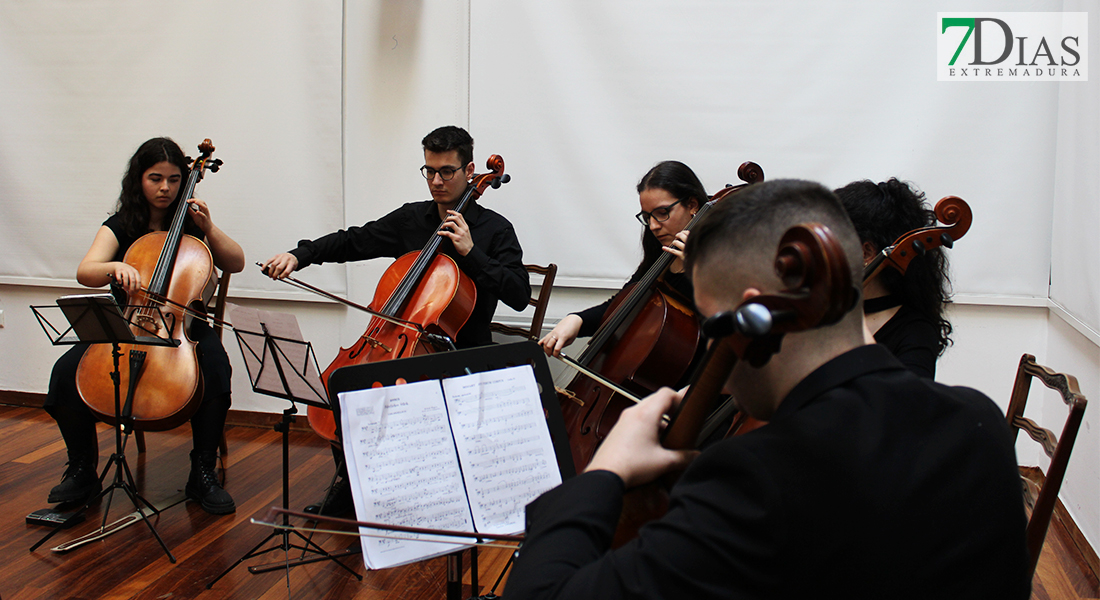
x=1040 y=495
x=217 y=310
x=535 y=331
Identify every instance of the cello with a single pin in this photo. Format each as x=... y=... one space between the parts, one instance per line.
x=647 y=340
x=818 y=292
x=164 y=383
x=421 y=302
x=951 y=211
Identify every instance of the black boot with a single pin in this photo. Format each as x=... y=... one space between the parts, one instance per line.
x=337 y=503
x=79 y=482
x=203 y=485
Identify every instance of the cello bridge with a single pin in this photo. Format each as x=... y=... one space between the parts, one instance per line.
x=569 y=394
x=373 y=343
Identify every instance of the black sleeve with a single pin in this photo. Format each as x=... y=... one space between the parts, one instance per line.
x=592 y=317
x=699 y=549
x=372 y=240
x=498 y=269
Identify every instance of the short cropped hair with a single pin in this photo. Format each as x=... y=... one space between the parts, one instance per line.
x=743 y=231
x=449 y=138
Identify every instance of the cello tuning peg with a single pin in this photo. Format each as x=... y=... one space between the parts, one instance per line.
x=947 y=241
x=495 y=183
x=754 y=320
x=505 y=178
x=918 y=247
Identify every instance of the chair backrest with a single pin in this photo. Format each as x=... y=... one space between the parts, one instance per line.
x=217 y=309
x=1058 y=448
x=540 y=302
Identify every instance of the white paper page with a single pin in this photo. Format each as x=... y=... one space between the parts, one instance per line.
x=504 y=444
x=403 y=469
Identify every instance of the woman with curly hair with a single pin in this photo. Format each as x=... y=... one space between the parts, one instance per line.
x=905 y=313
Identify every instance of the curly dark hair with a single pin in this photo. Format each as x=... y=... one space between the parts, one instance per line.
x=133 y=207
x=883 y=212
x=678 y=180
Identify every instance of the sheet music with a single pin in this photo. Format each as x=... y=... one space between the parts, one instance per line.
x=507 y=456
x=403 y=469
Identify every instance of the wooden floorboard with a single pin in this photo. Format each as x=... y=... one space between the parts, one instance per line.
x=130 y=564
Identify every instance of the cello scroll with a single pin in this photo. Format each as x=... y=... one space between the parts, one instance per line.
x=951 y=211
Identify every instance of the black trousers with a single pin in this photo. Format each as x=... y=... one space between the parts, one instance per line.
x=77 y=423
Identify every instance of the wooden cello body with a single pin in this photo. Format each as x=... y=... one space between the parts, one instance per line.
x=167 y=384
x=424 y=296
x=648 y=339
x=441 y=304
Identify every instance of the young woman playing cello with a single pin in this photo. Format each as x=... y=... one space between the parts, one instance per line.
x=669 y=194
x=149 y=198
x=904 y=312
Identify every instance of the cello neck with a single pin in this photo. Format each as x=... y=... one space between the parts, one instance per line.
x=162 y=275
x=638 y=294
x=495 y=177
x=416 y=272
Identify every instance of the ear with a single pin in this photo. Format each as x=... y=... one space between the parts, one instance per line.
x=469 y=170
x=869 y=252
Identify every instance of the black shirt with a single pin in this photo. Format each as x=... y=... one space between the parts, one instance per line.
x=869 y=482
x=495 y=263
x=592 y=317
x=913 y=339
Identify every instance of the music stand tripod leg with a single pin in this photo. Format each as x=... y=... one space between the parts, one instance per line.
x=118 y=460
x=283 y=426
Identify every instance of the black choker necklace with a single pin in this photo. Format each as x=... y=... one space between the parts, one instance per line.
x=874 y=305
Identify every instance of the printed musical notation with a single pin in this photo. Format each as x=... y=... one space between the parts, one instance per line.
x=405 y=444
x=503 y=442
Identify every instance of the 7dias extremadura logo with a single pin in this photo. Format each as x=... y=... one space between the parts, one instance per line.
x=1015 y=46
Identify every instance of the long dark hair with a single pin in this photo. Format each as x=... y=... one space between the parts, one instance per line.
x=133 y=207
x=882 y=213
x=681 y=183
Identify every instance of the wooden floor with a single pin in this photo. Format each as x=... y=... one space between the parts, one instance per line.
x=130 y=564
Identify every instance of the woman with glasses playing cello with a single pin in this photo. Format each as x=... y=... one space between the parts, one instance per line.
x=669 y=194
x=647 y=336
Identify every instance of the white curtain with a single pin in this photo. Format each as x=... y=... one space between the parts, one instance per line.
x=582 y=98
x=84 y=84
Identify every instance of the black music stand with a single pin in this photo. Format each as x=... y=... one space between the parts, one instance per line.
x=281 y=364
x=96 y=319
x=463 y=362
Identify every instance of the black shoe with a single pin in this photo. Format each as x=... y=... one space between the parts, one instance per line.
x=337 y=503
x=79 y=482
x=203 y=485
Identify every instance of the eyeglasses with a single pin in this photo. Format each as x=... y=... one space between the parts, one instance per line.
x=447 y=173
x=659 y=214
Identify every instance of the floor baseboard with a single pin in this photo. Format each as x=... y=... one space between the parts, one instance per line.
x=236 y=418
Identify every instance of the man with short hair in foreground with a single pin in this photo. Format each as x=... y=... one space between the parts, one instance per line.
x=867 y=481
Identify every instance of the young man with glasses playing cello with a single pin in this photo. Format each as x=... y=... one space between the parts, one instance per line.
x=482 y=243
